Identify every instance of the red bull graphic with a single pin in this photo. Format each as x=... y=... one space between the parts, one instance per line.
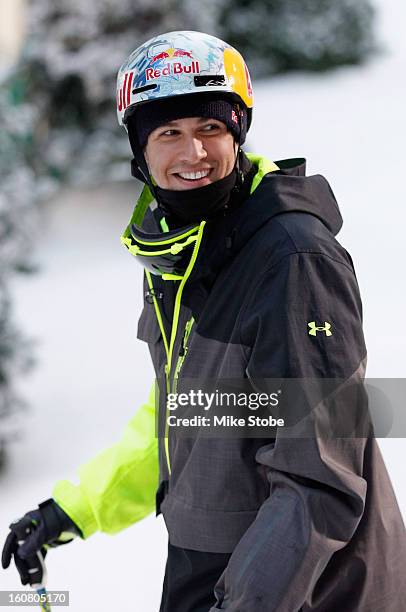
x=124 y=93
x=159 y=57
x=172 y=67
x=170 y=54
x=182 y=53
x=175 y=68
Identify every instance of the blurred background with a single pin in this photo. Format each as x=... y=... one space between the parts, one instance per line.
x=329 y=85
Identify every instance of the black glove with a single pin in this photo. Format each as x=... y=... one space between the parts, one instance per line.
x=32 y=535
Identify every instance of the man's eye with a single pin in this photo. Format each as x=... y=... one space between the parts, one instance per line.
x=168 y=132
x=210 y=126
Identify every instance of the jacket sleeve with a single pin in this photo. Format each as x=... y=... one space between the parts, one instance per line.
x=317 y=489
x=117 y=487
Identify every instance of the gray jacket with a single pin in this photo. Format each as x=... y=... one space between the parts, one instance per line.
x=311 y=520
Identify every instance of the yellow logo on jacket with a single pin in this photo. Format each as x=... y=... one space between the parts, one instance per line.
x=316 y=328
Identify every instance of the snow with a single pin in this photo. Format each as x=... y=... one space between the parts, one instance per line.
x=82 y=308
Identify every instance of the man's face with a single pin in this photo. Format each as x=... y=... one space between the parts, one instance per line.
x=190 y=152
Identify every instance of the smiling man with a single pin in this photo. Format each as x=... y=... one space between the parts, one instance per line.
x=244 y=280
x=190 y=153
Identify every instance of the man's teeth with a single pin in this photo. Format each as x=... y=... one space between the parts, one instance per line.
x=194 y=175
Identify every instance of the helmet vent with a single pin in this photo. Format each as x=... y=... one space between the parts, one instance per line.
x=138 y=90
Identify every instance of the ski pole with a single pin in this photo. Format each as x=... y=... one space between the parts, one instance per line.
x=36 y=565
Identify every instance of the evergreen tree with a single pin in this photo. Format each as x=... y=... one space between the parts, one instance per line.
x=282 y=35
x=66 y=76
x=16 y=230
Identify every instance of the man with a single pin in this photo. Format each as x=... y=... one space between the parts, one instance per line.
x=244 y=281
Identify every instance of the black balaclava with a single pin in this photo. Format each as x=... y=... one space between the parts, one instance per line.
x=182 y=207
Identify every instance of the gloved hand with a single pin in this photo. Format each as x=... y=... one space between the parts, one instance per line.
x=32 y=535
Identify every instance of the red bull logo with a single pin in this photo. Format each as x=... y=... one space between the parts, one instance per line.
x=182 y=53
x=175 y=68
x=159 y=57
x=169 y=67
x=170 y=54
x=172 y=67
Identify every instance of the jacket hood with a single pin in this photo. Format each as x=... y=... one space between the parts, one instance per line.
x=290 y=190
x=285 y=190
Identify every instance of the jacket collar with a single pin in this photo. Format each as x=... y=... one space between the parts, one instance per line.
x=277 y=188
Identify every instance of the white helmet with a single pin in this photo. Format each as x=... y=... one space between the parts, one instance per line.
x=180 y=63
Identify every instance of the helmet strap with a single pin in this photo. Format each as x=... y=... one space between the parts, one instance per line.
x=237 y=167
x=139 y=166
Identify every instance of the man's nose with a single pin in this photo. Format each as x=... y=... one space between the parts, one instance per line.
x=193 y=150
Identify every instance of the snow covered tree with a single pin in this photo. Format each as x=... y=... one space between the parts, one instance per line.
x=17 y=181
x=282 y=35
x=68 y=69
x=66 y=76
x=14 y=356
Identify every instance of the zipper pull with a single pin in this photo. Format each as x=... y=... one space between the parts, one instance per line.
x=186 y=333
x=151 y=294
x=183 y=347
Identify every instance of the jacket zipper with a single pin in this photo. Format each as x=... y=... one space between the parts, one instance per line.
x=169 y=345
x=182 y=353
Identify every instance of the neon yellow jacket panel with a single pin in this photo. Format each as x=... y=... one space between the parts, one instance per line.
x=117 y=487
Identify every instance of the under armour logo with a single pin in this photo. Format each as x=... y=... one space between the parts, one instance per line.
x=315 y=328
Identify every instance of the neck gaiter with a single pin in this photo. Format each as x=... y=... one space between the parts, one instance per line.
x=192 y=205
